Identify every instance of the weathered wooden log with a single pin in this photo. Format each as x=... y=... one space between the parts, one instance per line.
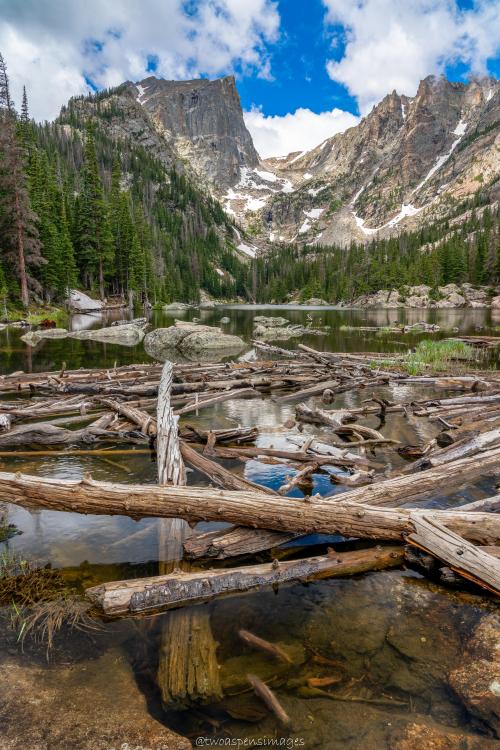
x=234 y=541
x=320 y=416
x=313 y=390
x=217 y=473
x=48 y=434
x=210 y=401
x=487 y=504
x=462 y=556
x=301 y=477
x=340 y=458
x=469 y=430
x=142 y=419
x=142 y=595
x=231 y=435
x=257 y=510
x=476 y=445
x=187 y=667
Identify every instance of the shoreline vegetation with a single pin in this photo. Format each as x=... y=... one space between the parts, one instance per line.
x=423 y=297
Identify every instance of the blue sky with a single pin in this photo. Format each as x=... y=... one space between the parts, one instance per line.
x=305 y=69
x=298 y=63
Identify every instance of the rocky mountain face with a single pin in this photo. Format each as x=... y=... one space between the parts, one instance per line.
x=197 y=126
x=409 y=161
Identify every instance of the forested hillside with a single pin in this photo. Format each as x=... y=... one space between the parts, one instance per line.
x=439 y=254
x=80 y=209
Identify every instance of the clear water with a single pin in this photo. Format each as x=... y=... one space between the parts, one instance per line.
x=392 y=634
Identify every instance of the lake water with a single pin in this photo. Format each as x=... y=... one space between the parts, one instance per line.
x=391 y=634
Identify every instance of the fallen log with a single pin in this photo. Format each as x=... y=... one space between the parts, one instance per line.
x=313 y=390
x=465 y=448
x=487 y=504
x=143 y=595
x=462 y=556
x=234 y=541
x=217 y=473
x=319 y=416
x=467 y=430
x=48 y=434
x=203 y=403
x=306 y=515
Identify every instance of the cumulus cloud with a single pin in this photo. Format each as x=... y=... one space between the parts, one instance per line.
x=57 y=48
x=301 y=130
x=393 y=44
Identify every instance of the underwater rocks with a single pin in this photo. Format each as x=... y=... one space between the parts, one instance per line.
x=477 y=680
x=95 y=705
x=423 y=736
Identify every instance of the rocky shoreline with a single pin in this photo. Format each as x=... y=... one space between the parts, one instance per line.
x=451 y=296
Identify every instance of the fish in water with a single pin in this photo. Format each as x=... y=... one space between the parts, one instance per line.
x=268 y=697
x=270 y=648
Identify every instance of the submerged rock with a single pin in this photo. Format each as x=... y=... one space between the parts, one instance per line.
x=423 y=736
x=94 y=706
x=32 y=338
x=81 y=302
x=477 y=680
x=124 y=335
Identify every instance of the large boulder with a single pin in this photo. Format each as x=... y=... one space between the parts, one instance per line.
x=163 y=341
x=32 y=338
x=190 y=339
x=200 y=341
x=81 y=302
x=125 y=335
x=477 y=680
x=176 y=307
x=495 y=303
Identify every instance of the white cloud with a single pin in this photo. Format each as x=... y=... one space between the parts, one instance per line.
x=280 y=135
x=393 y=44
x=52 y=46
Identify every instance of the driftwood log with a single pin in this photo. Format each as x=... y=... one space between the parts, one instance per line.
x=143 y=595
x=463 y=557
x=256 y=509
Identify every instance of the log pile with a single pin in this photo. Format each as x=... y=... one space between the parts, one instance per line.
x=68 y=409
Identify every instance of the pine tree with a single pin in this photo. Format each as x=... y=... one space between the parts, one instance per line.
x=93 y=236
x=17 y=220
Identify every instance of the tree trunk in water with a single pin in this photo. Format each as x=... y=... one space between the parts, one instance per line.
x=187 y=668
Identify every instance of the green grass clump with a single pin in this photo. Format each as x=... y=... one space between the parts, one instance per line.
x=436 y=356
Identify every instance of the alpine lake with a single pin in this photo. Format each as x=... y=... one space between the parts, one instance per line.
x=388 y=640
